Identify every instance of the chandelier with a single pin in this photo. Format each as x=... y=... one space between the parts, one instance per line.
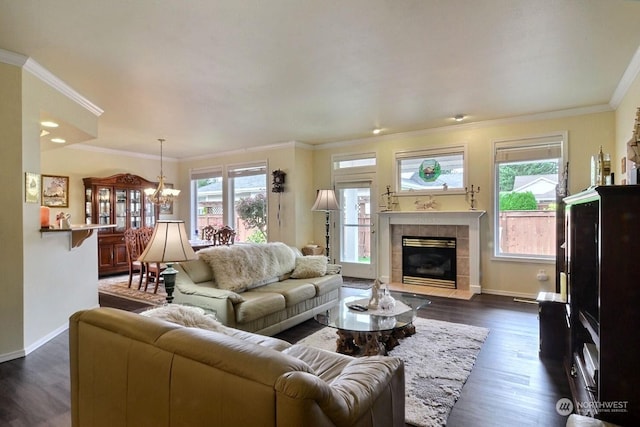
x=161 y=196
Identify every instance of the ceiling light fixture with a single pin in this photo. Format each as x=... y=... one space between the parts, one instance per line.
x=459 y=117
x=58 y=140
x=161 y=196
x=49 y=124
x=376 y=131
x=44 y=132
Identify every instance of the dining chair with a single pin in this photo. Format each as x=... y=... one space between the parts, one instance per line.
x=152 y=270
x=133 y=252
x=225 y=236
x=208 y=233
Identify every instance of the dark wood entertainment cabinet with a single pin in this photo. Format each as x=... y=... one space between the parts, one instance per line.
x=602 y=264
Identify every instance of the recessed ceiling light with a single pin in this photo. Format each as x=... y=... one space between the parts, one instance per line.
x=459 y=117
x=376 y=131
x=58 y=140
x=49 y=124
x=44 y=133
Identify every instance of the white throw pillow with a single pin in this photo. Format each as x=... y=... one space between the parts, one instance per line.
x=310 y=266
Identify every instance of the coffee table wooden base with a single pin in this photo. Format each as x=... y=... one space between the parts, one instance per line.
x=371 y=343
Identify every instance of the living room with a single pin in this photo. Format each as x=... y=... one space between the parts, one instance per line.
x=36 y=300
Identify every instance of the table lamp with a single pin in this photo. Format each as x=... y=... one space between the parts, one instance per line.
x=169 y=243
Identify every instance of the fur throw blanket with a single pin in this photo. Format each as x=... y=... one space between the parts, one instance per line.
x=243 y=266
x=194 y=317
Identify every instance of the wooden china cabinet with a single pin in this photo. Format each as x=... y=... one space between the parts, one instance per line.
x=119 y=200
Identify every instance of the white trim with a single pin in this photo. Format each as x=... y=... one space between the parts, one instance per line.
x=11 y=356
x=277 y=146
x=505 y=142
x=468 y=218
x=32 y=66
x=85 y=147
x=42 y=341
x=509 y=293
x=601 y=108
x=12 y=58
x=435 y=150
x=626 y=81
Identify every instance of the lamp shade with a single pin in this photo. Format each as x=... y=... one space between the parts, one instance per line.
x=169 y=243
x=326 y=201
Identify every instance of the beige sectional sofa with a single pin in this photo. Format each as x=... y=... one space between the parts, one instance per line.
x=132 y=370
x=264 y=288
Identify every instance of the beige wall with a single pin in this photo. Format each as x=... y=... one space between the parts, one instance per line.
x=586 y=133
x=625 y=120
x=12 y=217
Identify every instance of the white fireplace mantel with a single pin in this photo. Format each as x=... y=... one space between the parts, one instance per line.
x=470 y=218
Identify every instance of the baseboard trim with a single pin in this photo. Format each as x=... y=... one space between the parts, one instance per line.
x=509 y=293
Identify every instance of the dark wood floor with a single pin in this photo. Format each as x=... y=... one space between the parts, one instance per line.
x=509 y=384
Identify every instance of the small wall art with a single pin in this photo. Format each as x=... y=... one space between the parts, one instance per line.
x=31 y=187
x=55 y=191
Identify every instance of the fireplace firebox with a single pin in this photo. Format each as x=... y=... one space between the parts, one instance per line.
x=429 y=261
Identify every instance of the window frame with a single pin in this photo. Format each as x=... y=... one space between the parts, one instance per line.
x=426 y=153
x=238 y=170
x=516 y=144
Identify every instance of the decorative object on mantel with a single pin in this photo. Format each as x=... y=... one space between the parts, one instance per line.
x=428 y=205
x=326 y=202
x=163 y=195
x=471 y=196
x=390 y=199
x=375 y=294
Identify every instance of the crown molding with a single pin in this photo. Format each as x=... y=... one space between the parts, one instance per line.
x=84 y=147
x=33 y=67
x=277 y=146
x=12 y=58
x=469 y=126
x=627 y=79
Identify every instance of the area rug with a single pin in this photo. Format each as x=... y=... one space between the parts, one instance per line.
x=119 y=287
x=437 y=359
x=354 y=282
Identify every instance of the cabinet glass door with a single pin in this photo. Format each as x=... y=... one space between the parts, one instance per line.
x=104 y=206
x=135 y=209
x=149 y=213
x=87 y=206
x=121 y=210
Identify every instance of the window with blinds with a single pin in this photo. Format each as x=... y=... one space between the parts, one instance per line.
x=527 y=173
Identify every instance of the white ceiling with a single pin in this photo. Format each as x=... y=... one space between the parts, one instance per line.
x=219 y=75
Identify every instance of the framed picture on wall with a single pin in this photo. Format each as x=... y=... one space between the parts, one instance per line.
x=167 y=208
x=55 y=191
x=31 y=187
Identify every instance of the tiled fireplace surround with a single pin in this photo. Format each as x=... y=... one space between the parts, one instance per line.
x=463 y=225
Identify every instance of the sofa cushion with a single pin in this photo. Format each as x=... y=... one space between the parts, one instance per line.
x=323 y=285
x=257 y=305
x=238 y=267
x=197 y=270
x=293 y=292
x=310 y=266
x=326 y=364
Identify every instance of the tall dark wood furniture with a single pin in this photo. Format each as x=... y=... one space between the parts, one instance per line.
x=602 y=266
x=119 y=200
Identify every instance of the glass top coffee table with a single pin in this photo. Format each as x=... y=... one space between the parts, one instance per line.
x=375 y=331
